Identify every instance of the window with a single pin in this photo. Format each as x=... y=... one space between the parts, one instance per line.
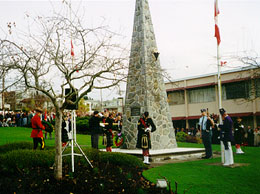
x=176 y=97
x=257 y=87
x=236 y=90
x=205 y=94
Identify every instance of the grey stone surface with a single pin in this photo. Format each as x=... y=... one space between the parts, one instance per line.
x=145 y=85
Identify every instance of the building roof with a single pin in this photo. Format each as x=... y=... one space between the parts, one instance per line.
x=212 y=74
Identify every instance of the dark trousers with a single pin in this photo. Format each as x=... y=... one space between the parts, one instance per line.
x=94 y=140
x=37 y=140
x=206 y=138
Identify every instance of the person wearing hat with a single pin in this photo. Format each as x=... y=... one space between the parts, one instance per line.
x=37 y=128
x=145 y=127
x=205 y=124
x=238 y=135
x=226 y=138
x=94 y=125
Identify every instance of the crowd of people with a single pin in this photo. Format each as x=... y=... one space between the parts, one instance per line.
x=21 y=118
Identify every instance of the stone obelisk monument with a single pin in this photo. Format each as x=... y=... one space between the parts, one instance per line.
x=145 y=85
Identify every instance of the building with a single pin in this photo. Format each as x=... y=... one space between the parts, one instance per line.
x=114 y=105
x=240 y=96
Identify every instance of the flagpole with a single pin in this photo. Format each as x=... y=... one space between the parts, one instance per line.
x=219 y=84
x=218 y=61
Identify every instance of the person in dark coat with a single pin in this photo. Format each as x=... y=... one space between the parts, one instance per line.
x=226 y=138
x=215 y=131
x=94 y=125
x=238 y=135
x=108 y=132
x=145 y=127
x=65 y=131
x=205 y=124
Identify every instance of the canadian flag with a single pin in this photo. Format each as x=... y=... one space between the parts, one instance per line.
x=216 y=12
x=72 y=49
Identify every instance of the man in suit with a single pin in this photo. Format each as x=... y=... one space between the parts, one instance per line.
x=205 y=124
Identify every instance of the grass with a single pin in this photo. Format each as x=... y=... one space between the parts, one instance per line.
x=16 y=134
x=195 y=176
x=199 y=177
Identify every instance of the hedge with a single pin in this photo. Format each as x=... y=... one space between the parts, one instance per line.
x=21 y=156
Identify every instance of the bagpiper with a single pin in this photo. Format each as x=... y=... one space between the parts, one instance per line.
x=145 y=128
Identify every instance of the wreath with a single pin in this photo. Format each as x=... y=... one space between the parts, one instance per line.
x=48 y=126
x=120 y=139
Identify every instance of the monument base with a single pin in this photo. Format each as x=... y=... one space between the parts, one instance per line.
x=165 y=154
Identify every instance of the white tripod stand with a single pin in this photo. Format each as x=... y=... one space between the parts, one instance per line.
x=73 y=142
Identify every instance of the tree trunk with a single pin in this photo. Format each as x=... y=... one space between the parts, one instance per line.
x=58 y=150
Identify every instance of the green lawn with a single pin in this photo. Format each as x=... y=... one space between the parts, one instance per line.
x=15 y=134
x=199 y=177
x=196 y=176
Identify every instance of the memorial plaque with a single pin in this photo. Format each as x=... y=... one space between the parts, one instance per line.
x=135 y=111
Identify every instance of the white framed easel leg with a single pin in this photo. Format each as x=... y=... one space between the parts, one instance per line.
x=73 y=142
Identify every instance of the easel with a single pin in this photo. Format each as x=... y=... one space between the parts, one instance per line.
x=73 y=142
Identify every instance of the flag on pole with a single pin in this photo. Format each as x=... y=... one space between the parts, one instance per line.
x=72 y=49
x=216 y=12
x=217 y=34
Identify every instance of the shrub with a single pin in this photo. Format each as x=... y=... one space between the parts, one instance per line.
x=82 y=124
x=119 y=159
x=191 y=139
x=26 y=158
x=18 y=146
x=15 y=146
x=181 y=136
x=19 y=159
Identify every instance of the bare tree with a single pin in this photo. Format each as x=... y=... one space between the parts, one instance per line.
x=44 y=61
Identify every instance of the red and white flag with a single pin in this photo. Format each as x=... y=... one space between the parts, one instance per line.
x=216 y=12
x=72 y=49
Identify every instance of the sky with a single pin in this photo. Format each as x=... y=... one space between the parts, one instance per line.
x=184 y=29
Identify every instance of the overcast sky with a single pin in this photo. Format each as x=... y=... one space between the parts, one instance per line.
x=184 y=29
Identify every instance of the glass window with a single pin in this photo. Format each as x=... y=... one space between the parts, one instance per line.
x=176 y=97
x=205 y=94
x=257 y=87
x=236 y=90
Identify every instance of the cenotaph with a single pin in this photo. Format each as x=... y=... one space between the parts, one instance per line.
x=145 y=89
